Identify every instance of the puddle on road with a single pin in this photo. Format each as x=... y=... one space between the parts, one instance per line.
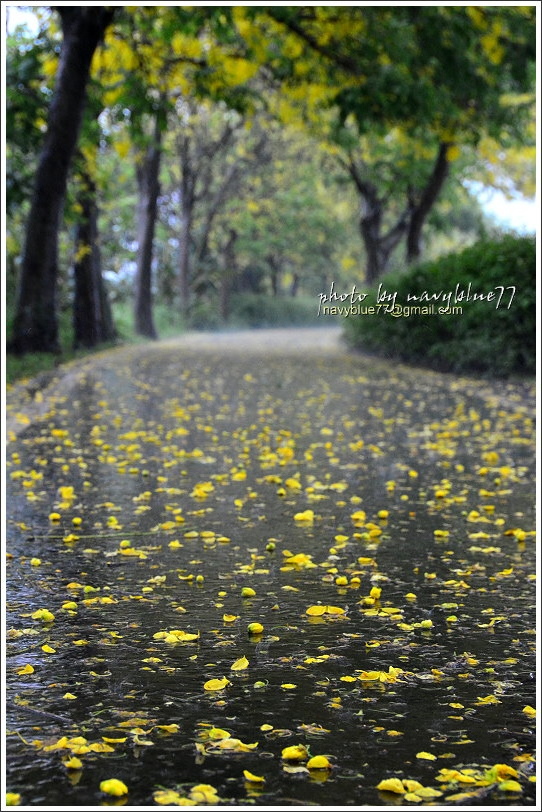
x=398 y=501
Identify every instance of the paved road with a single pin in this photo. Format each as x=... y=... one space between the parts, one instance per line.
x=200 y=452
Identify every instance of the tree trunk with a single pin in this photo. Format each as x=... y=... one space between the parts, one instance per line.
x=227 y=275
x=148 y=189
x=370 y=224
x=36 y=320
x=92 y=318
x=188 y=191
x=426 y=202
x=378 y=247
x=184 y=259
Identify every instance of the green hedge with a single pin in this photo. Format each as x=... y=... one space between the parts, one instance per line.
x=483 y=337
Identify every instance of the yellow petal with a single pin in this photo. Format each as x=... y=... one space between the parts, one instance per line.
x=73 y=763
x=112 y=786
x=510 y=786
x=428 y=756
x=217 y=733
x=240 y=664
x=391 y=785
x=316 y=610
x=254 y=779
x=296 y=752
x=318 y=763
x=216 y=684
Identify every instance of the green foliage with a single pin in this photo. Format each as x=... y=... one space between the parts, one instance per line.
x=167 y=320
x=255 y=310
x=482 y=338
x=29 y=365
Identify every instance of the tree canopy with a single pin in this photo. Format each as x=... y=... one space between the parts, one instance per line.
x=399 y=101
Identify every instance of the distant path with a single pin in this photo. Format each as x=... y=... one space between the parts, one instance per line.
x=30 y=400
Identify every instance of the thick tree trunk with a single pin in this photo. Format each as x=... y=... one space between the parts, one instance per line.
x=149 y=189
x=370 y=225
x=379 y=247
x=92 y=318
x=36 y=321
x=426 y=202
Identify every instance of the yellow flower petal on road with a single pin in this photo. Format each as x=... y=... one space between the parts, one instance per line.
x=428 y=792
x=411 y=786
x=255 y=628
x=229 y=618
x=112 y=786
x=306 y=516
x=217 y=733
x=26 y=669
x=528 y=710
x=169 y=797
x=510 y=786
x=315 y=611
x=73 y=763
x=428 y=756
x=295 y=752
x=335 y=610
x=43 y=614
x=235 y=745
x=318 y=763
x=391 y=785
x=240 y=664
x=216 y=684
x=254 y=779
x=204 y=794
x=69 y=696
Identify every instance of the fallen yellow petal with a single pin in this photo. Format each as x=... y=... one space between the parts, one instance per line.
x=295 y=752
x=216 y=684
x=112 y=786
x=240 y=664
x=73 y=763
x=316 y=610
x=391 y=785
x=318 y=763
x=254 y=779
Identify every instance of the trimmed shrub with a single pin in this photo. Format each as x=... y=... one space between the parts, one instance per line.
x=491 y=331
